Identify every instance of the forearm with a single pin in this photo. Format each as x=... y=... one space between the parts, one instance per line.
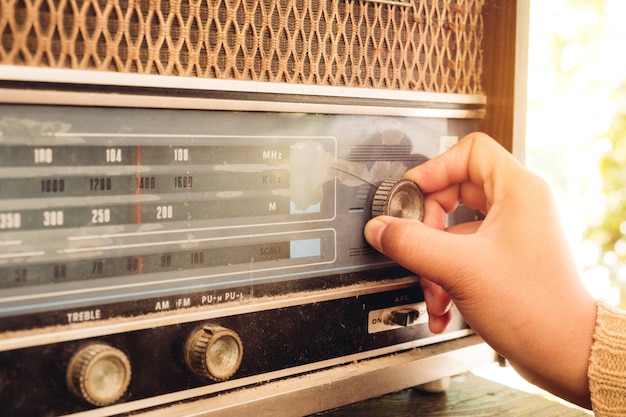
x=559 y=361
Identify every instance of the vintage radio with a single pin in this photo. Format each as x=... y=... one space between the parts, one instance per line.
x=183 y=190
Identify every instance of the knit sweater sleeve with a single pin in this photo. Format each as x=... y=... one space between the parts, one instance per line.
x=607 y=366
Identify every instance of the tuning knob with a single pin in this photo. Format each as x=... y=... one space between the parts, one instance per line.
x=214 y=352
x=399 y=198
x=99 y=374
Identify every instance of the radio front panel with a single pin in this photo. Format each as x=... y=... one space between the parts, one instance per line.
x=183 y=191
x=106 y=205
x=151 y=256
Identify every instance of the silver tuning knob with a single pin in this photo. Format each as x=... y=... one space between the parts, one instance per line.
x=99 y=374
x=399 y=198
x=214 y=352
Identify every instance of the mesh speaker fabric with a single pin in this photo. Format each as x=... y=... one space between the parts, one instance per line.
x=430 y=46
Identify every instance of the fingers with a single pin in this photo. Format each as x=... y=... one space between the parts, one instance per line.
x=420 y=248
x=473 y=159
x=426 y=251
x=438 y=303
x=470 y=172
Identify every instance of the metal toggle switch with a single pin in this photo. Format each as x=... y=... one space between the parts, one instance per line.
x=403 y=317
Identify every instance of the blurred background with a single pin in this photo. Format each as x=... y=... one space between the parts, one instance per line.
x=576 y=129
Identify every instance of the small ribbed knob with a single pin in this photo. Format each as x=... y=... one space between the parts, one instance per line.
x=399 y=198
x=99 y=374
x=214 y=352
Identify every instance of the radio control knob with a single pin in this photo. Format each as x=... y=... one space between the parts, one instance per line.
x=399 y=198
x=99 y=374
x=214 y=352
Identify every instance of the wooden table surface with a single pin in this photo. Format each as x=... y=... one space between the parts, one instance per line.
x=468 y=395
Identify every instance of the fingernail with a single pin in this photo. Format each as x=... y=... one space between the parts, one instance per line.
x=374 y=231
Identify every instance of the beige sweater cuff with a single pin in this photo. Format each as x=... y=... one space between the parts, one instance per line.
x=607 y=365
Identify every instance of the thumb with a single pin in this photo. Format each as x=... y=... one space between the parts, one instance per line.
x=420 y=248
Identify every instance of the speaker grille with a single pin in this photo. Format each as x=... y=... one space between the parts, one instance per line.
x=431 y=46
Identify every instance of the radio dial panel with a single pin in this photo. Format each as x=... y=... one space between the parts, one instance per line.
x=234 y=239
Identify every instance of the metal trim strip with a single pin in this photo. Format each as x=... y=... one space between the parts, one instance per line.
x=333 y=385
x=94 y=88
x=28 y=338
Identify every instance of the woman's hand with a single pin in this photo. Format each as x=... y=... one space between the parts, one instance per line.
x=511 y=276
